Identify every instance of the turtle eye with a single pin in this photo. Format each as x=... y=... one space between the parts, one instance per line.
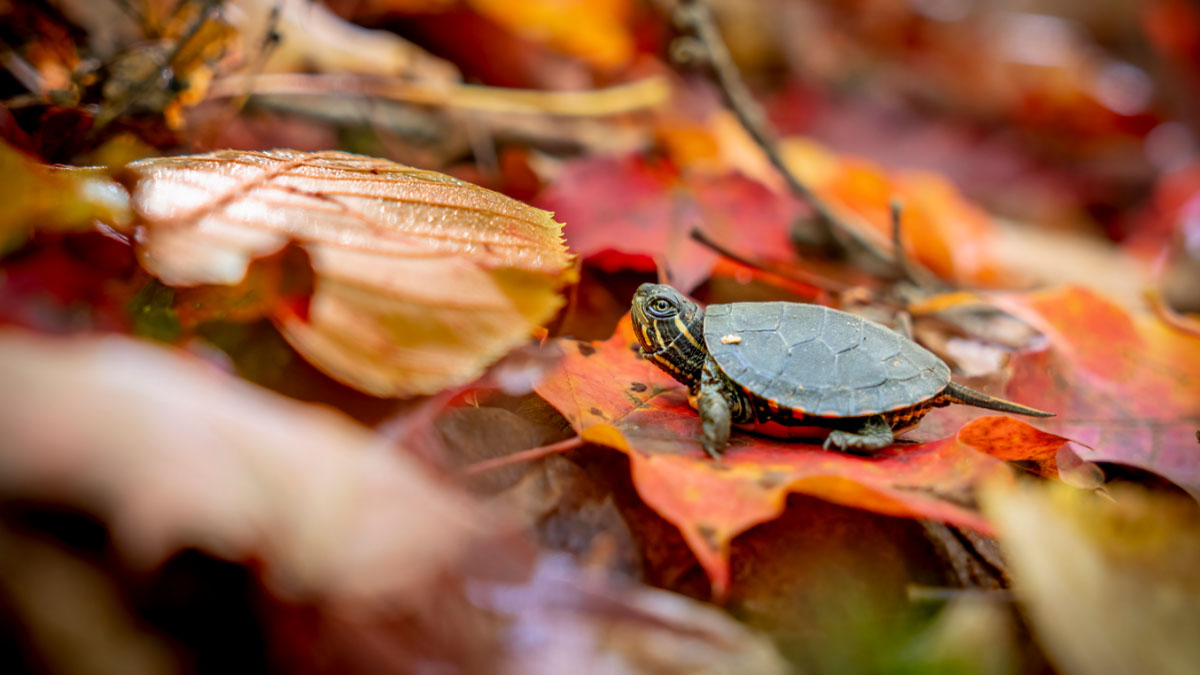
x=661 y=308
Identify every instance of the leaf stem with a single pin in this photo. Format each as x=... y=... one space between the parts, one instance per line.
x=695 y=17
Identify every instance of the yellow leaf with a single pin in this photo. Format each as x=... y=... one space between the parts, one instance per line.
x=595 y=31
x=40 y=197
x=1109 y=585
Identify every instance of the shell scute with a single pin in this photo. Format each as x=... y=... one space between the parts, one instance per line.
x=819 y=364
x=835 y=402
x=797 y=329
x=803 y=399
x=880 y=345
x=716 y=311
x=866 y=401
x=763 y=352
x=859 y=370
x=820 y=361
x=900 y=367
x=755 y=316
x=842 y=332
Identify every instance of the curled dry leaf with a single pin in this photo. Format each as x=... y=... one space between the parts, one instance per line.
x=173 y=454
x=613 y=397
x=1041 y=453
x=421 y=280
x=1109 y=586
x=1126 y=386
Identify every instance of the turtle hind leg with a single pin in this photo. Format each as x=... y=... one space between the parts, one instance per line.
x=874 y=434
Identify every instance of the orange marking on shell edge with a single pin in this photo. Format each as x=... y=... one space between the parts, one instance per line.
x=773 y=406
x=777 y=430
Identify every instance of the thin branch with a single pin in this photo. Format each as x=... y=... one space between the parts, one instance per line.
x=625 y=98
x=797 y=275
x=135 y=92
x=898 y=253
x=21 y=70
x=523 y=456
x=695 y=17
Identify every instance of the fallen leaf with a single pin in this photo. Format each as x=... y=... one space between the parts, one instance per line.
x=593 y=31
x=1040 y=452
x=561 y=621
x=173 y=454
x=64 y=284
x=630 y=213
x=941 y=229
x=613 y=397
x=38 y=197
x=312 y=37
x=421 y=280
x=1108 y=586
x=1127 y=387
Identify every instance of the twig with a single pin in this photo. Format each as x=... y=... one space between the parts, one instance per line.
x=523 y=456
x=21 y=70
x=898 y=253
x=970 y=569
x=910 y=270
x=797 y=275
x=696 y=18
x=641 y=95
x=134 y=93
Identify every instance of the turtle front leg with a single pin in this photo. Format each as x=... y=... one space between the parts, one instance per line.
x=715 y=417
x=874 y=434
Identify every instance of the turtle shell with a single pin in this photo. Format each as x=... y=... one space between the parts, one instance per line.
x=820 y=361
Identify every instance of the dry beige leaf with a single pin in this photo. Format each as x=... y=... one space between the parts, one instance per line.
x=422 y=280
x=174 y=454
x=1110 y=586
x=313 y=37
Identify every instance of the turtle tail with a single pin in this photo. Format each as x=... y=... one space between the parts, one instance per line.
x=956 y=393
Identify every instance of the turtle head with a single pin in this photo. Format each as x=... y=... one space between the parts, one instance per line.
x=670 y=329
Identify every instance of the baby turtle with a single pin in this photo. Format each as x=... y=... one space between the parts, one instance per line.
x=790 y=369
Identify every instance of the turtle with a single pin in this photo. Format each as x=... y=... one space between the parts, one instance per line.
x=797 y=370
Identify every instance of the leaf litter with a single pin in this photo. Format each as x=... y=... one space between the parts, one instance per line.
x=390 y=548
x=420 y=280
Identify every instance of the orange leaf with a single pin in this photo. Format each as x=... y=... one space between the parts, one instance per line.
x=941 y=228
x=593 y=30
x=421 y=280
x=1127 y=387
x=1042 y=453
x=615 y=398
